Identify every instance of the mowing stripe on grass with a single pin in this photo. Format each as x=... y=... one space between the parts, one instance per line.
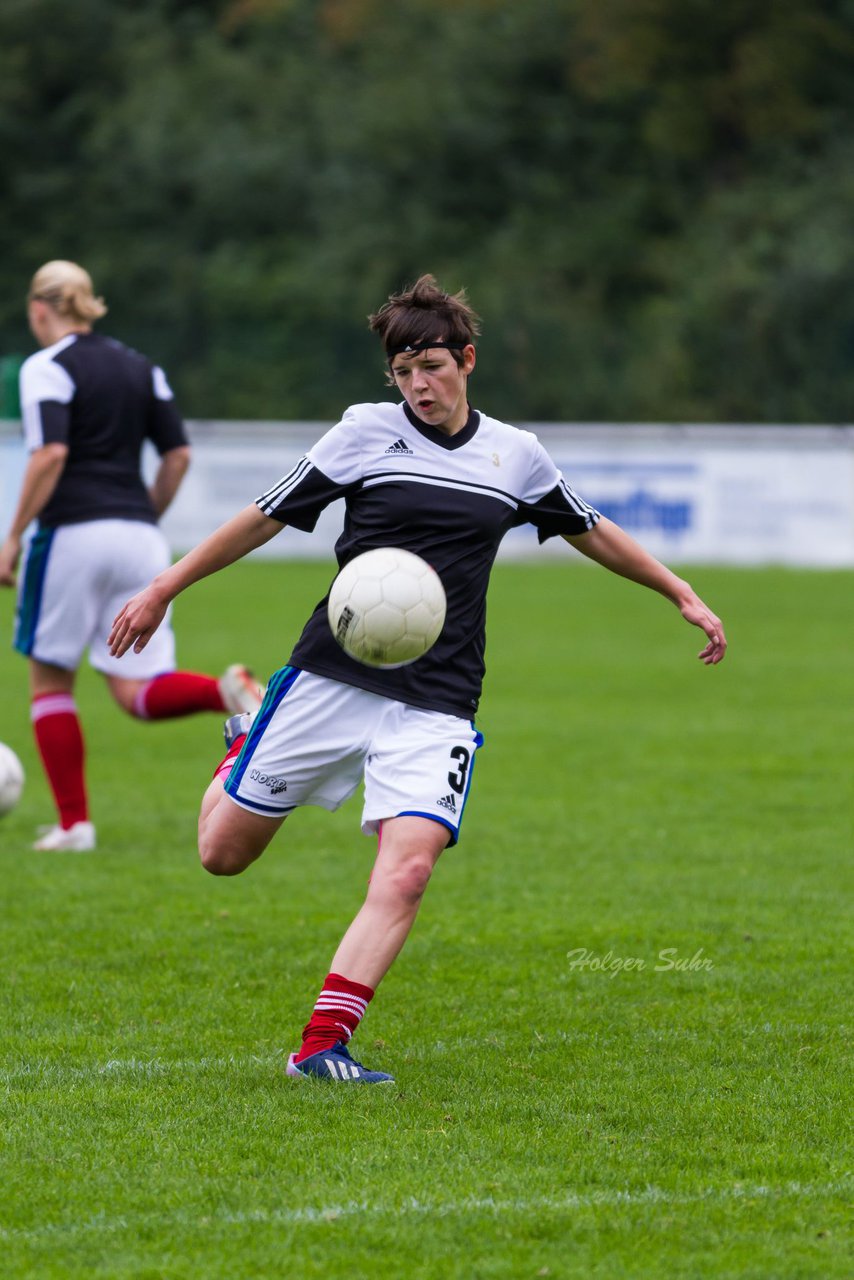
x=319 y=1214
x=55 y=1072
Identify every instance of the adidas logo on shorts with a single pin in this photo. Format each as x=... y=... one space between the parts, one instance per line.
x=399 y=446
x=447 y=802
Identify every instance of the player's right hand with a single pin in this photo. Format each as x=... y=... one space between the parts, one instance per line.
x=10 y=552
x=137 y=622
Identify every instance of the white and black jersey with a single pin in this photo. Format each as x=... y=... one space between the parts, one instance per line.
x=450 y=499
x=102 y=400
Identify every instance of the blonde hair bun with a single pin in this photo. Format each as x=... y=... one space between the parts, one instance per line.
x=67 y=288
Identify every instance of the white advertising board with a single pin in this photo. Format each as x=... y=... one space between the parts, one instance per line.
x=725 y=495
x=692 y=494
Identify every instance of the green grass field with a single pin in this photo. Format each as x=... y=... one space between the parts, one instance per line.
x=569 y=1103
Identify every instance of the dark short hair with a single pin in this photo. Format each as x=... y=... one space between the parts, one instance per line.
x=424 y=313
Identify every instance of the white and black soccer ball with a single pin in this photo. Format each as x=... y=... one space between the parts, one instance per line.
x=387 y=607
x=11 y=779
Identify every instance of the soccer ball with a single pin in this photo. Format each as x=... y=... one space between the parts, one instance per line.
x=387 y=607
x=11 y=779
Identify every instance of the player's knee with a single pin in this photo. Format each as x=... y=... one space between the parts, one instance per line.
x=129 y=702
x=409 y=880
x=221 y=858
x=229 y=838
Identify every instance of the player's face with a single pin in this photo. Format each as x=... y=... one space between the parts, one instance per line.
x=38 y=315
x=434 y=386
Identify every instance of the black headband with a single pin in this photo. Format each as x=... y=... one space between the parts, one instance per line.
x=412 y=348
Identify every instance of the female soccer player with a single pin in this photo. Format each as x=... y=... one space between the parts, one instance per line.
x=88 y=405
x=438 y=478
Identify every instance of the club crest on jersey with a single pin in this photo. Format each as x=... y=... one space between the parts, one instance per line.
x=399 y=447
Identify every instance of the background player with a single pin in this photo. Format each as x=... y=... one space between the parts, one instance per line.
x=88 y=404
x=447 y=482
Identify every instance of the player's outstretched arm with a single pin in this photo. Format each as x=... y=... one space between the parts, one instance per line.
x=137 y=621
x=612 y=547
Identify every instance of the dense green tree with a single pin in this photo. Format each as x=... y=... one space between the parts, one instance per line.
x=645 y=198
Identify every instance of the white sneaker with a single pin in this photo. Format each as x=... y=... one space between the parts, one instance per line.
x=79 y=838
x=239 y=689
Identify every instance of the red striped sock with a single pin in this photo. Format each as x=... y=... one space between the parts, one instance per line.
x=177 y=693
x=59 y=739
x=225 y=765
x=340 y=1008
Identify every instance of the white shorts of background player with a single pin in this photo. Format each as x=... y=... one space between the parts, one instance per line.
x=75 y=580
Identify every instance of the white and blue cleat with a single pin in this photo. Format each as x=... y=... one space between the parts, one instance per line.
x=239 y=689
x=236 y=726
x=335 y=1064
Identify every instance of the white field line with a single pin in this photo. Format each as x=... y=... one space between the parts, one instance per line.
x=411 y=1207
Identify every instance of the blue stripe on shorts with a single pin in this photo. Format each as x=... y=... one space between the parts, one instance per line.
x=432 y=817
x=444 y=822
x=279 y=686
x=478 y=743
x=32 y=590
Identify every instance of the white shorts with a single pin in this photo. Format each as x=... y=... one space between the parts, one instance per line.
x=314 y=740
x=75 y=580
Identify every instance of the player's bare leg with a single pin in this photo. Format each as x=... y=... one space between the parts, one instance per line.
x=185 y=693
x=46 y=678
x=409 y=850
x=124 y=691
x=231 y=838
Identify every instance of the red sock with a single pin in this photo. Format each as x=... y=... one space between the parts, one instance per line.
x=177 y=693
x=340 y=1008
x=225 y=765
x=60 y=742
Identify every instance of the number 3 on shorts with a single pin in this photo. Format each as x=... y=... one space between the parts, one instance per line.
x=457 y=776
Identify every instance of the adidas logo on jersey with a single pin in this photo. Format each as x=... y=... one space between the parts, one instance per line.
x=399 y=446
x=447 y=802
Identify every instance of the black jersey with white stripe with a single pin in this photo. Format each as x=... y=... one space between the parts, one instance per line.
x=102 y=400
x=450 y=499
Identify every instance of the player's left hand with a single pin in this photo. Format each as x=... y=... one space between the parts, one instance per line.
x=700 y=615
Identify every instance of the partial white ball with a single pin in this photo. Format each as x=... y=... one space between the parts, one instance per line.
x=387 y=607
x=11 y=779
